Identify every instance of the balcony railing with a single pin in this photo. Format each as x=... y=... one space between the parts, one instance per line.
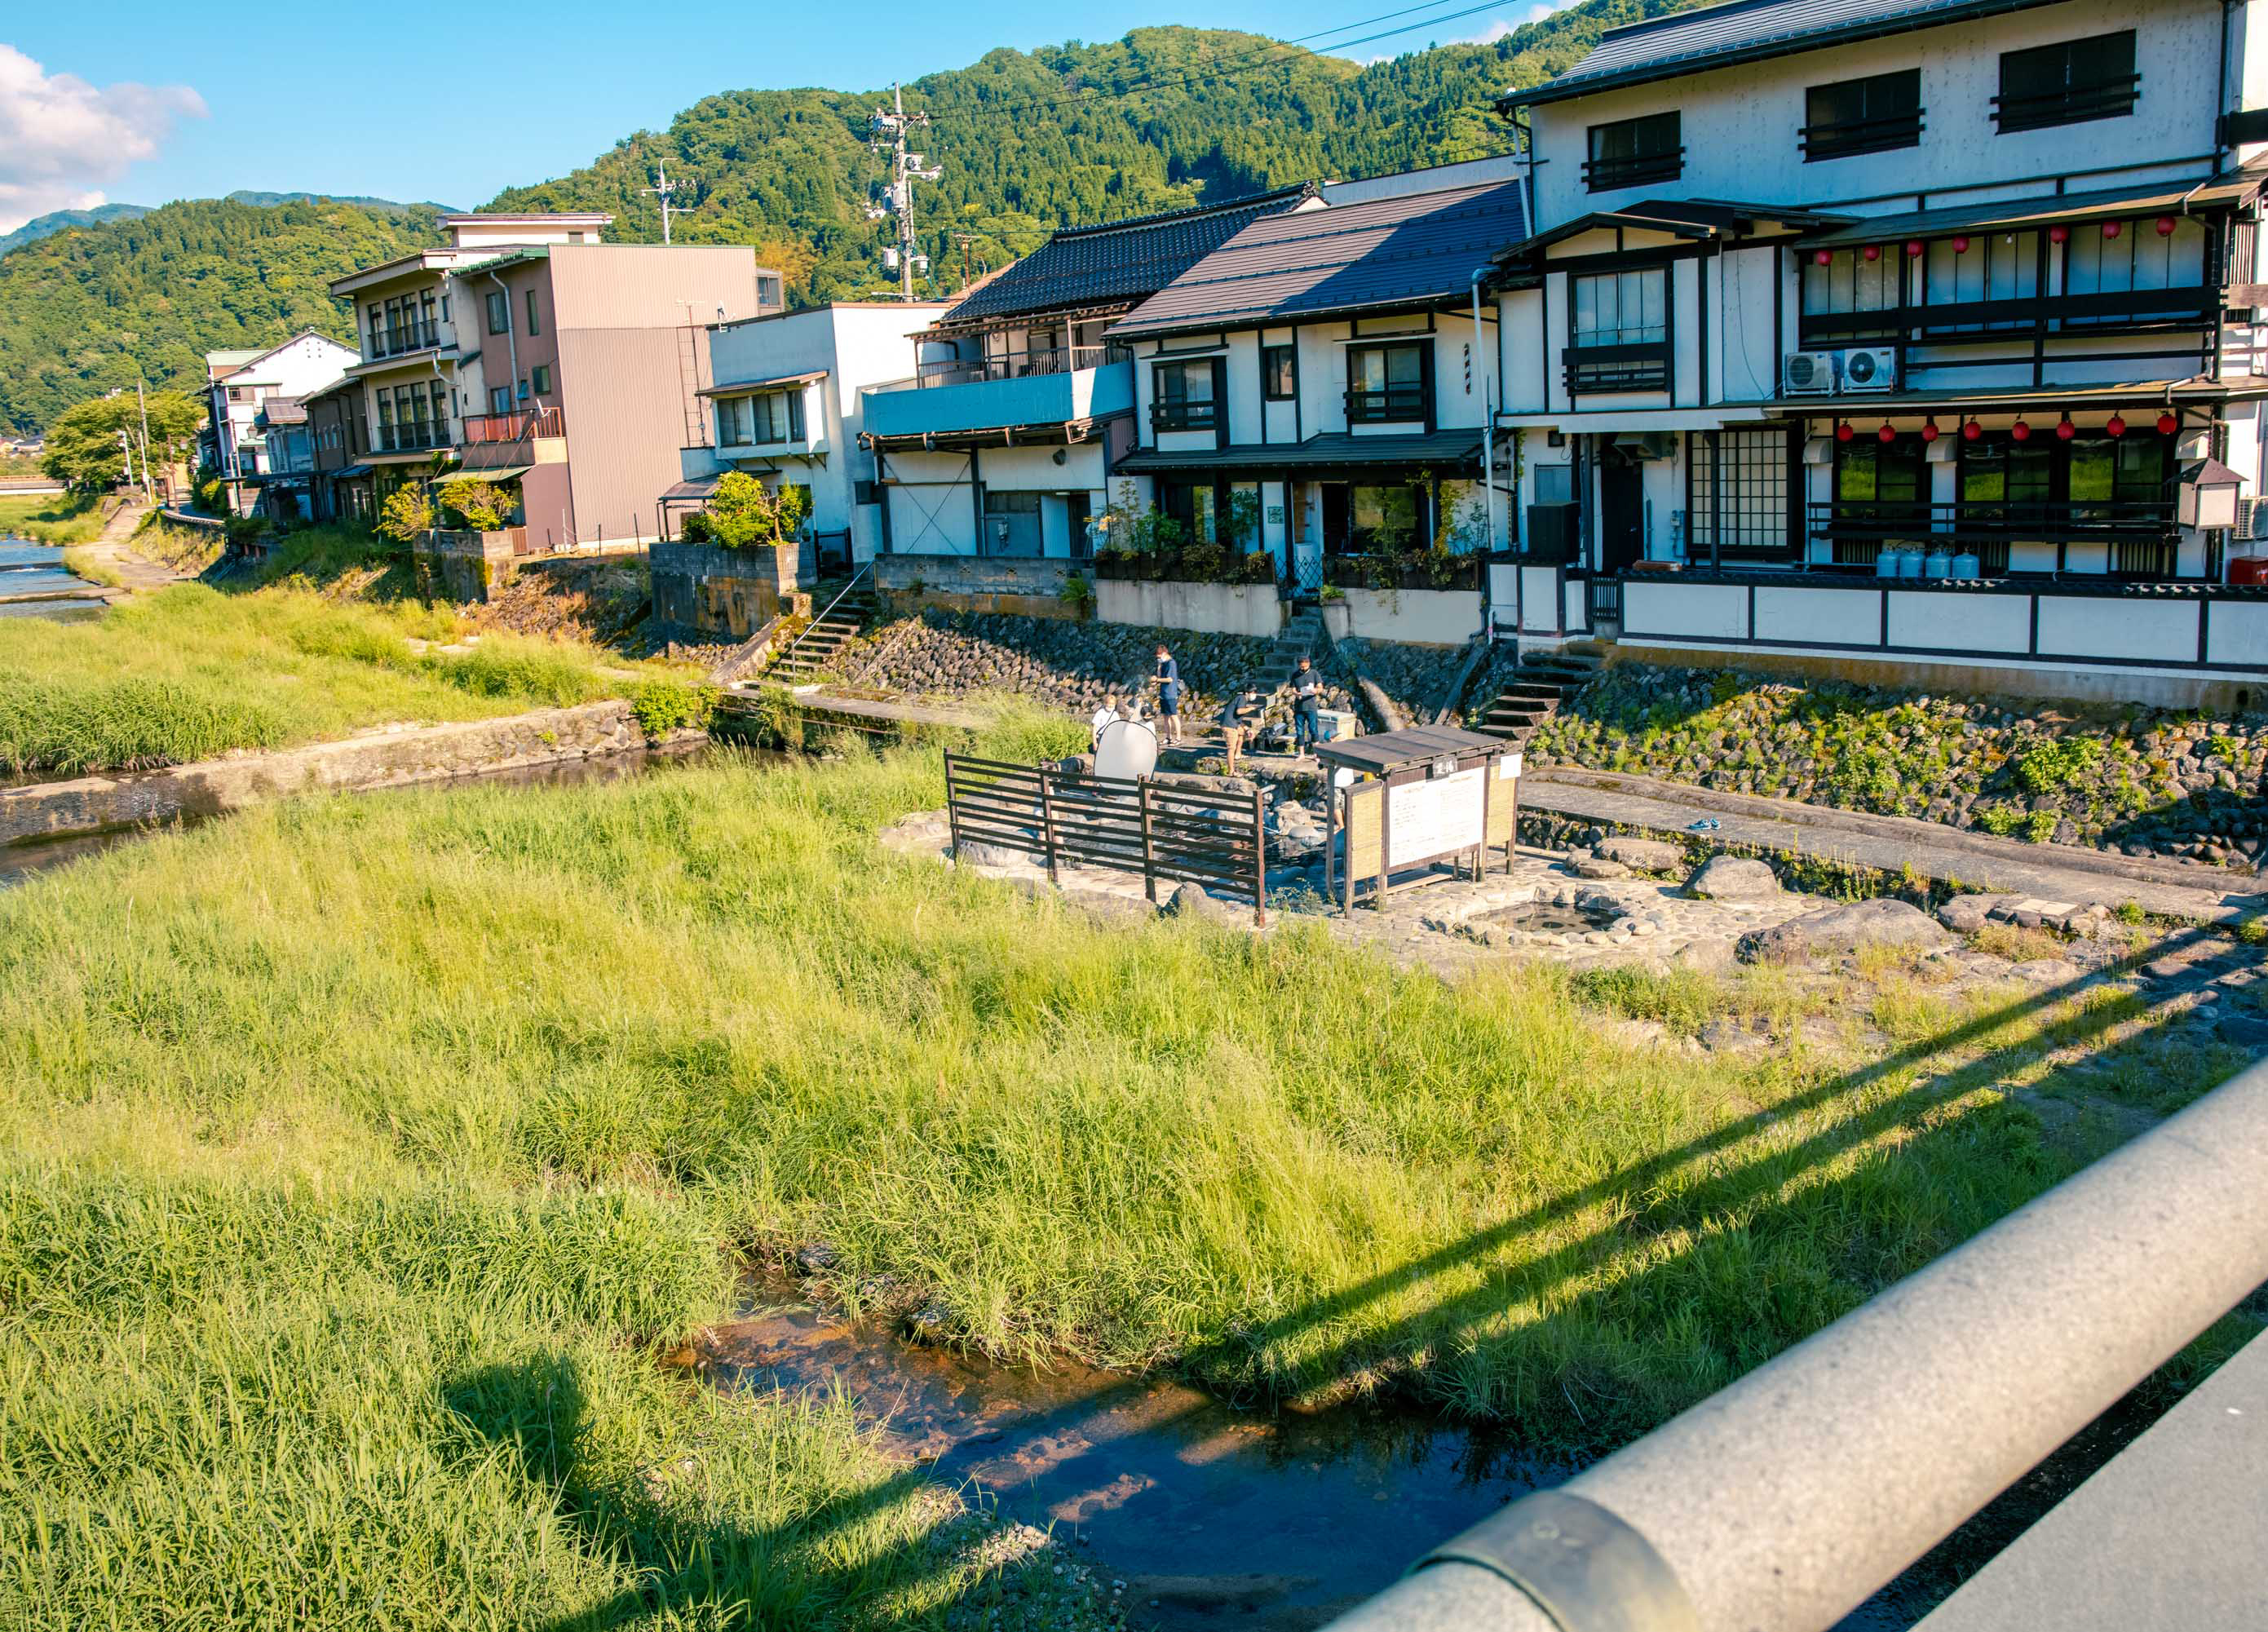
x=1385 y=405
x=2068 y=105
x=415 y=437
x=520 y=425
x=2142 y=536
x=1593 y=370
x=1179 y=413
x=959 y=371
x=2124 y=309
x=1603 y=175
x=1843 y=138
x=418 y=337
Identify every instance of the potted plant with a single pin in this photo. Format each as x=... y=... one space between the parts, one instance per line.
x=1338 y=618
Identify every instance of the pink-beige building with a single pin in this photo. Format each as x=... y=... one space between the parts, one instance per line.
x=527 y=349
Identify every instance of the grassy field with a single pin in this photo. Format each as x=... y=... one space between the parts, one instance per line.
x=190 y=671
x=354 y=1176
x=49 y=518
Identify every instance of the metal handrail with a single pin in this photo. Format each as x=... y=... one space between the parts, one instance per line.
x=1781 y=1502
x=796 y=645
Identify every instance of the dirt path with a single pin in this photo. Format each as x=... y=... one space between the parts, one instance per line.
x=113 y=556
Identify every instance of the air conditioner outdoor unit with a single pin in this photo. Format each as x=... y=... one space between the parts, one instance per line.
x=1870 y=370
x=2252 y=518
x=1807 y=373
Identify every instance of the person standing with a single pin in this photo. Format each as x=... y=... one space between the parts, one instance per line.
x=1240 y=721
x=1307 y=706
x=1105 y=717
x=1169 y=697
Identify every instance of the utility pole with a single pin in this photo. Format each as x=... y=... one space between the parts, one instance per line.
x=661 y=189
x=142 y=407
x=964 y=240
x=890 y=125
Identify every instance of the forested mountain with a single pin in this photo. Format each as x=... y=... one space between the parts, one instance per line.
x=60 y=220
x=84 y=311
x=1029 y=141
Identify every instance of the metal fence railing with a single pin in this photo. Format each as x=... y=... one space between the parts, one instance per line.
x=1216 y=841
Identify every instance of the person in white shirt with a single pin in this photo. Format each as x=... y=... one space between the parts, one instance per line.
x=1106 y=716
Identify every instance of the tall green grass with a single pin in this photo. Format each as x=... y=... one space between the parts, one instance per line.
x=355 y=1156
x=50 y=519
x=189 y=672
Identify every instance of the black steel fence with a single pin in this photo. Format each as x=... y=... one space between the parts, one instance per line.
x=1069 y=818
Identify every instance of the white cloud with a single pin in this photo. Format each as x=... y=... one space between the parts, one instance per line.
x=59 y=135
x=1504 y=25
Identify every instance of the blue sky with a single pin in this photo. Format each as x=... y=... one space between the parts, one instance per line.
x=142 y=102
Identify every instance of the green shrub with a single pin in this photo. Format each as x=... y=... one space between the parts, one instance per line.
x=2056 y=764
x=665 y=706
x=2002 y=820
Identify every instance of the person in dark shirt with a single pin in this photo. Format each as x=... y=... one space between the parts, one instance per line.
x=1169 y=697
x=1240 y=721
x=1307 y=706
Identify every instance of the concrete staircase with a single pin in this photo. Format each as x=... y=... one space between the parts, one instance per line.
x=1539 y=685
x=1302 y=637
x=813 y=651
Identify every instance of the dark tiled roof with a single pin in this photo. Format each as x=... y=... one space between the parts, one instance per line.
x=1327 y=448
x=1417 y=249
x=1745 y=31
x=1116 y=264
x=284 y=411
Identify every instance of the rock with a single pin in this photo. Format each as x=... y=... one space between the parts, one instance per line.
x=1707 y=956
x=2045 y=970
x=1841 y=931
x=1733 y=878
x=1191 y=901
x=816 y=1258
x=1649 y=855
x=2245 y=1030
x=1593 y=867
x=1965 y=915
x=1729 y=1037
x=976 y=852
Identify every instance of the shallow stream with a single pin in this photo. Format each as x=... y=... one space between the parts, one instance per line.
x=29 y=569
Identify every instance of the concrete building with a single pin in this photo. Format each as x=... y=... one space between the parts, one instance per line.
x=231 y=445
x=785 y=403
x=338 y=438
x=475 y=346
x=1905 y=337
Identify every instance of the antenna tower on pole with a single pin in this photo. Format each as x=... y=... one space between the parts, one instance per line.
x=890 y=125
x=661 y=189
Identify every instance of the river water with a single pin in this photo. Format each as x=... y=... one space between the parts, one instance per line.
x=28 y=568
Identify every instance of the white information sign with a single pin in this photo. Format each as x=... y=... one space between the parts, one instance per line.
x=1434 y=816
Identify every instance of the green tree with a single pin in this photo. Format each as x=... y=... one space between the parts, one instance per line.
x=743 y=513
x=405 y=514
x=83 y=451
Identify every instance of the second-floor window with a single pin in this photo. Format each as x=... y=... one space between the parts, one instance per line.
x=2068 y=83
x=1385 y=383
x=540 y=374
x=1623 y=308
x=779 y=417
x=1870 y=116
x=499 y=312
x=500 y=399
x=1182 y=397
x=1280 y=375
x=534 y=322
x=1629 y=151
x=732 y=422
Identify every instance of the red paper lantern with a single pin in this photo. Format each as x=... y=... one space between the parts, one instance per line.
x=2111 y=229
x=2021 y=431
x=1961 y=246
x=1886 y=434
x=1913 y=249
x=1823 y=257
x=2114 y=426
x=2065 y=429
x=2059 y=234
x=1971 y=430
x=1844 y=433
x=1873 y=252
x=2165 y=226
x=1929 y=431
x=2168 y=425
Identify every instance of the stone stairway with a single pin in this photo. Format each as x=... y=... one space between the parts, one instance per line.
x=1538 y=685
x=813 y=651
x=1302 y=637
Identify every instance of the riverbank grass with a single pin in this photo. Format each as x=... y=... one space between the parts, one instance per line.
x=188 y=672
x=354 y=1182
x=51 y=519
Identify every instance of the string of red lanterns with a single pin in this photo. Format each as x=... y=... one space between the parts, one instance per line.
x=1971 y=430
x=2057 y=233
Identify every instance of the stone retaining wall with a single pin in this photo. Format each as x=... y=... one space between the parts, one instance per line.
x=466 y=566
x=1012 y=585
x=721 y=591
x=388 y=758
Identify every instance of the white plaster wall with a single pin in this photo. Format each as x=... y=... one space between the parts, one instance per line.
x=1740 y=124
x=1415 y=617
x=2237 y=632
x=2101 y=626
x=1033 y=469
x=926 y=519
x=1836 y=616
x=1209 y=609
x=1674 y=609
x=1579 y=609
x=1948 y=620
